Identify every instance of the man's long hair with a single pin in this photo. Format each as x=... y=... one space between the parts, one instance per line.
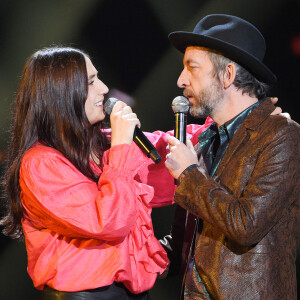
x=244 y=80
x=49 y=109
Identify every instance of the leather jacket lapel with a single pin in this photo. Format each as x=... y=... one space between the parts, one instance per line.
x=244 y=133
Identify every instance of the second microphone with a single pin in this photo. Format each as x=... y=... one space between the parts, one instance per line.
x=138 y=136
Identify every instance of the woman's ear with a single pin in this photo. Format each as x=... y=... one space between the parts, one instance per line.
x=229 y=75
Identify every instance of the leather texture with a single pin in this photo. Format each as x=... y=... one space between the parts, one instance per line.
x=248 y=212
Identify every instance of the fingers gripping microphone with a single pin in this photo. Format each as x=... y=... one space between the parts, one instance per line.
x=180 y=106
x=138 y=136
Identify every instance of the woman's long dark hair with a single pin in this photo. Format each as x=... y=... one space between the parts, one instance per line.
x=49 y=108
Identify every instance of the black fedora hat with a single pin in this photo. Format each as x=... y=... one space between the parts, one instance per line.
x=234 y=37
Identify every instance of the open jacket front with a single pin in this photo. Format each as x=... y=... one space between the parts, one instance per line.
x=247 y=215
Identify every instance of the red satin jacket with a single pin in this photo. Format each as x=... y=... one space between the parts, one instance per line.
x=82 y=235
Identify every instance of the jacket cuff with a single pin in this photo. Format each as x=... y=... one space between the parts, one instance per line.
x=188 y=169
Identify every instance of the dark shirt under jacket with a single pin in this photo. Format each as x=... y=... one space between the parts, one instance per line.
x=214 y=141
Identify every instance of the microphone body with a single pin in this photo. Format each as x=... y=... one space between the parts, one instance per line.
x=180 y=107
x=138 y=136
x=180 y=126
x=147 y=147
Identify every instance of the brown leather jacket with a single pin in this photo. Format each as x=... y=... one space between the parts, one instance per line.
x=248 y=212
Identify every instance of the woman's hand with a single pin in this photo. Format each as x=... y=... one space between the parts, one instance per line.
x=278 y=110
x=123 y=122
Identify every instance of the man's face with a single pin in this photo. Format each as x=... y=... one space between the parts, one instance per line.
x=203 y=89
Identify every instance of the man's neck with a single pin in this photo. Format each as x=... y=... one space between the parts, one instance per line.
x=231 y=107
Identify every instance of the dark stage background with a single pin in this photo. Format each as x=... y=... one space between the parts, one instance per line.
x=127 y=40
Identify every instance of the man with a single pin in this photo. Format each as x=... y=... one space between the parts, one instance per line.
x=239 y=186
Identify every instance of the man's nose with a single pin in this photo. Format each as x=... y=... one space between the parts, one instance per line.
x=183 y=81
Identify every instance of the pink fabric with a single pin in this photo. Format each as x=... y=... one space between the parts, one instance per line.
x=83 y=235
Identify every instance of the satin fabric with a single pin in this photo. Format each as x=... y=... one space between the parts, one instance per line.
x=83 y=235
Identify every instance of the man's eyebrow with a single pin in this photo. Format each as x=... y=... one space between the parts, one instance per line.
x=190 y=61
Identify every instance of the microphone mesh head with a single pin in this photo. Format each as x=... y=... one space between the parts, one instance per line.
x=180 y=104
x=109 y=105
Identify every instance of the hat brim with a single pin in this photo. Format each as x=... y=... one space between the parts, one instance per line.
x=182 y=39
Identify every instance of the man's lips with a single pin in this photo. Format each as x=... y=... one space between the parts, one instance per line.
x=189 y=97
x=188 y=94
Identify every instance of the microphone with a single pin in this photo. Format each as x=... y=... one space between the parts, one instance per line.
x=138 y=136
x=180 y=107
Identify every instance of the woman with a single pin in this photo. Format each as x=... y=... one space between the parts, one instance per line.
x=73 y=191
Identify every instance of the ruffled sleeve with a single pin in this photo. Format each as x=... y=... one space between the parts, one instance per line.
x=56 y=196
x=146 y=256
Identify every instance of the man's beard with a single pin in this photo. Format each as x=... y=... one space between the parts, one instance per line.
x=207 y=100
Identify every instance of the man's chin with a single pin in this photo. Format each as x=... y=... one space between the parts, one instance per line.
x=198 y=114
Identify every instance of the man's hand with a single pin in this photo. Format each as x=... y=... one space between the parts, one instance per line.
x=278 y=110
x=180 y=156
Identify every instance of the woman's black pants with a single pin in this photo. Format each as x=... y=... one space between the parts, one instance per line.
x=116 y=291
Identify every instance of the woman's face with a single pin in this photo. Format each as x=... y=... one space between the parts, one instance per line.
x=96 y=91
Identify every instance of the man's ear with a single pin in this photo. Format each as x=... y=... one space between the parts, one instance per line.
x=229 y=75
